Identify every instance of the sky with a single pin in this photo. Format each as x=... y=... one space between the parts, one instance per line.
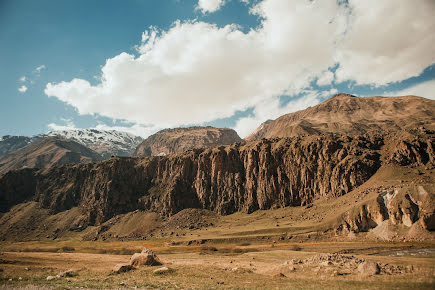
x=144 y=65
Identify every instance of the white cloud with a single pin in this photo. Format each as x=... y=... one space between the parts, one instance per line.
x=136 y=129
x=424 y=89
x=325 y=79
x=22 y=89
x=197 y=72
x=210 y=6
x=39 y=68
x=22 y=79
x=69 y=125
x=387 y=41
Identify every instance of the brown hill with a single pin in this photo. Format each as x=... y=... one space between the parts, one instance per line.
x=181 y=139
x=47 y=152
x=349 y=115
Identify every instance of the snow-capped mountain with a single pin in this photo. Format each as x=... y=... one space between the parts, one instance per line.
x=106 y=143
x=9 y=144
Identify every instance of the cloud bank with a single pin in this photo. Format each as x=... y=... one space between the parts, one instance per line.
x=197 y=72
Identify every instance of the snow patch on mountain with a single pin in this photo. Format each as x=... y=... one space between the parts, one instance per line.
x=107 y=143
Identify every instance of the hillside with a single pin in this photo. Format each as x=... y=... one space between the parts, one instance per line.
x=9 y=144
x=349 y=115
x=181 y=139
x=47 y=152
x=106 y=143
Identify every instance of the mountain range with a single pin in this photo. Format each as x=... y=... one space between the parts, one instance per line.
x=373 y=155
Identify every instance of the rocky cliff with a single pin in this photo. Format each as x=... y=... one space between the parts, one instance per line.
x=261 y=174
x=181 y=139
x=349 y=115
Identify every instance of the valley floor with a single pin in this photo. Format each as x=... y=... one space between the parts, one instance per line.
x=326 y=265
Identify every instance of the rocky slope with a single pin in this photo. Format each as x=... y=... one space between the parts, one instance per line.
x=106 y=143
x=47 y=152
x=262 y=174
x=349 y=115
x=181 y=139
x=9 y=144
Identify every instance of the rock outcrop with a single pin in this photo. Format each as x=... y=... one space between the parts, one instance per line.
x=182 y=139
x=401 y=206
x=349 y=115
x=145 y=258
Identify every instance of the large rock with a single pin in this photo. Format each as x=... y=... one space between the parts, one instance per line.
x=368 y=268
x=146 y=258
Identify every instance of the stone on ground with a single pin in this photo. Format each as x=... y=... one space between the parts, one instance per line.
x=146 y=258
x=368 y=268
x=122 y=268
x=161 y=270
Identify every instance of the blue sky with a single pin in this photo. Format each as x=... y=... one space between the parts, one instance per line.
x=144 y=65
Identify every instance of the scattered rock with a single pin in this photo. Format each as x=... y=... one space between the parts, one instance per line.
x=368 y=268
x=122 y=268
x=146 y=258
x=162 y=270
x=279 y=275
x=67 y=273
x=326 y=263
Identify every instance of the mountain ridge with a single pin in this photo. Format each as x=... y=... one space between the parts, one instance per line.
x=175 y=140
x=350 y=115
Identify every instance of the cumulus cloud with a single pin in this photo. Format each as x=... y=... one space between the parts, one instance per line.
x=22 y=89
x=22 y=79
x=197 y=72
x=209 y=6
x=325 y=79
x=424 y=89
x=386 y=41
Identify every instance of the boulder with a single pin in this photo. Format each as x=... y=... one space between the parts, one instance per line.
x=279 y=275
x=368 y=268
x=146 y=258
x=122 y=268
x=49 y=278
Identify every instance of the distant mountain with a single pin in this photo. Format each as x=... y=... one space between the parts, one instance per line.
x=106 y=143
x=350 y=115
x=181 y=139
x=10 y=144
x=48 y=152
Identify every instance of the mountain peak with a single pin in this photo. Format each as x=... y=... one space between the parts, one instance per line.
x=348 y=114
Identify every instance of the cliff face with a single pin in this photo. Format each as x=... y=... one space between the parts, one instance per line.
x=181 y=139
x=349 y=115
x=262 y=174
